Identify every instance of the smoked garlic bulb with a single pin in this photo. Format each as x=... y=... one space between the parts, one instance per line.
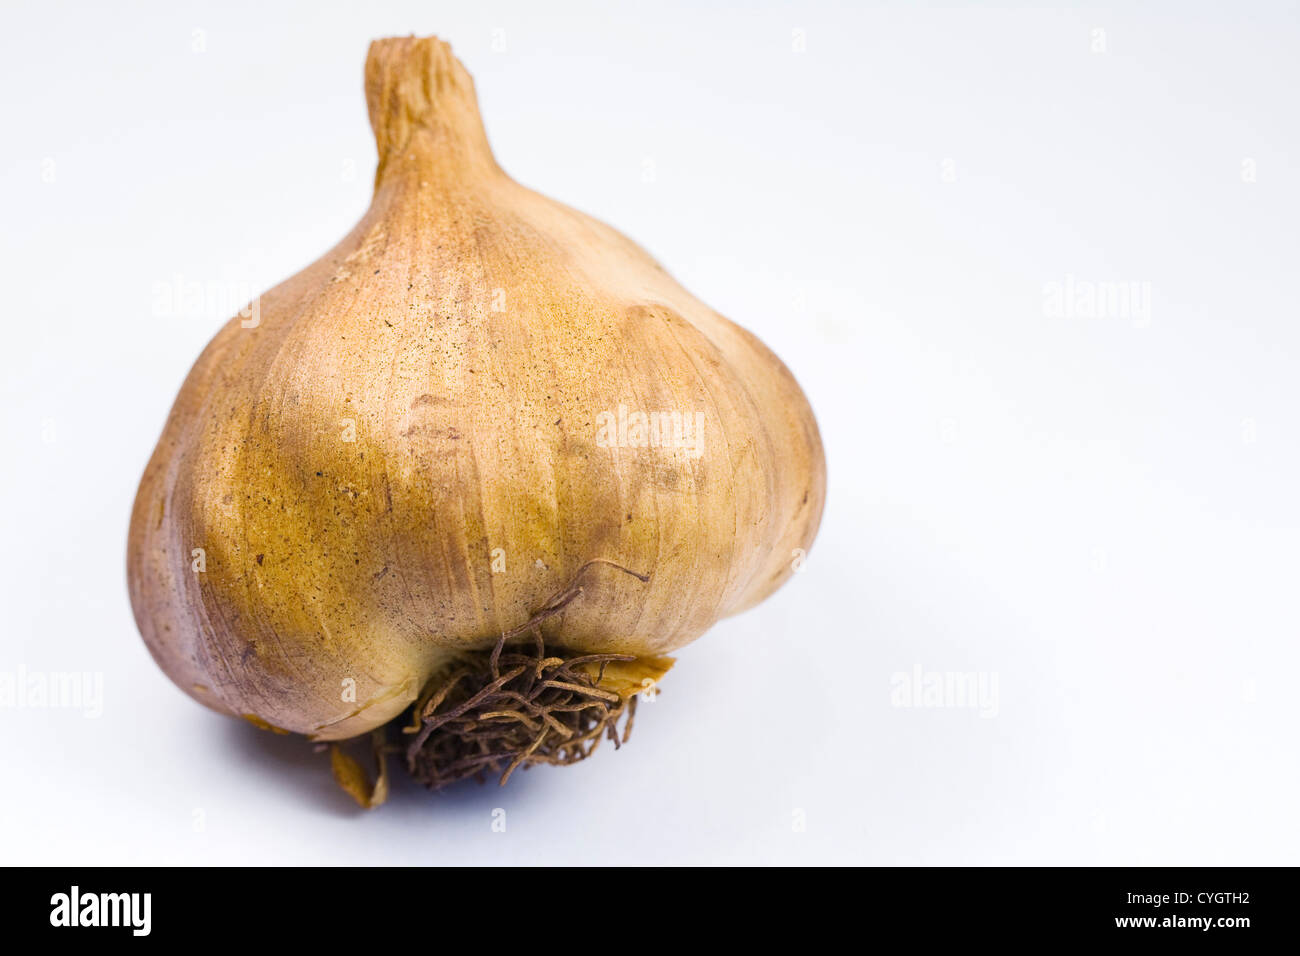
x=479 y=400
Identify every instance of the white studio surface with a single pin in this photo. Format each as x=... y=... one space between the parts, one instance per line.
x=1035 y=270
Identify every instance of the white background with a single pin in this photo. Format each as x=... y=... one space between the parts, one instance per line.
x=1098 y=512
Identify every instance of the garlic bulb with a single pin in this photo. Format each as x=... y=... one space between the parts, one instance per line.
x=479 y=400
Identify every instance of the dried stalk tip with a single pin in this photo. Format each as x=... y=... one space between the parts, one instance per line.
x=521 y=705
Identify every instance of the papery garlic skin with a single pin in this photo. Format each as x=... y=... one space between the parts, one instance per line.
x=424 y=402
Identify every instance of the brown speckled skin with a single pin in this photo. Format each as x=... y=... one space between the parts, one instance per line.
x=472 y=330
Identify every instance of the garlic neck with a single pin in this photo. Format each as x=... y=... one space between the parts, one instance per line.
x=424 y=111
